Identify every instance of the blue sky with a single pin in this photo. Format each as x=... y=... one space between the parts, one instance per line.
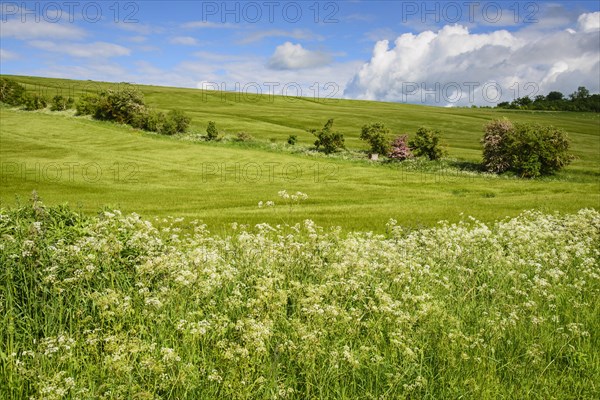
x=439 y=53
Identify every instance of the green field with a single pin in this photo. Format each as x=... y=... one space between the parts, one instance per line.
x=97 y=303
x=93 y=164
x=110 y=307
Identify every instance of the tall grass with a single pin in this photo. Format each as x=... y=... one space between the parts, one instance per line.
x=113 y=307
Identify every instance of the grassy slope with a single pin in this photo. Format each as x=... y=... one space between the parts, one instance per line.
x=172 y=178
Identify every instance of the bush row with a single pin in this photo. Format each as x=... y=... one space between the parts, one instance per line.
x=124 y=106
x=529 y=150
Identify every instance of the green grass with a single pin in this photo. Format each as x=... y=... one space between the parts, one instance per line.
x=159 y=176
x=110 y=307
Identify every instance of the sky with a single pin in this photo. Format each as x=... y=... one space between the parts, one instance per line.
x=442 y=53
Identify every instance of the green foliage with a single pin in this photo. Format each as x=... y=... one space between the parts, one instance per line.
x=427 y=144
x=529 y=150
x=156 y=121
x=126 y=106
x=580 y=100
x=212 y=133
x=327 y=139
x=537 y=150
x=120 y=105
x=87 y=104
x=11 y=92
x=153 y=120
x=34 y=102
x=180 y=120
x=377 y=135
x=61 y=103
x=292 y=140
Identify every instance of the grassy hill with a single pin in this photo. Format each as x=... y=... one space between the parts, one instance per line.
x=91 y=164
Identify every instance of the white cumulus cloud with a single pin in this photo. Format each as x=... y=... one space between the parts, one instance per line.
x=294 y=56
x=589 y=22
x=456 y=67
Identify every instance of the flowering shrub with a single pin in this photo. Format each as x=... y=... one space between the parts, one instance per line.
x=495 y=155
x=115 y=307
x=399 y=149
x=526 y=149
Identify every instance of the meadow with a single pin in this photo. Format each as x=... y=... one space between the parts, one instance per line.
x=140 y=266
x=92 y=164
x=464 y=310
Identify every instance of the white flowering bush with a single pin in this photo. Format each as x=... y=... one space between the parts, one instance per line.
x=114 y=307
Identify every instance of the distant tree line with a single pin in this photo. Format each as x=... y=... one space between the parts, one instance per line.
x=581 y=100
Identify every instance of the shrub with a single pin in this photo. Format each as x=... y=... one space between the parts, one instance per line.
x=180 y=119
x=427 y=144
x=399 y=149
x=61 y=103
x=537 y=150
x=35 y=102
x=525 y=149
x=495 y=155
x=87 y=104
x=154 y=121
x=140 y=119
x=377 y=135
x=119 y=105
x=11 y=92
x=243 y=137
x=212 y=132
x=292 y=140
x=326 y=138
x=168 y=126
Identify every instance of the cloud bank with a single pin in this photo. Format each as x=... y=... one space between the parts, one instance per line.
x=456 y=67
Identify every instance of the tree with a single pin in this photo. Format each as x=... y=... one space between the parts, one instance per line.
x=212 y=133
x=427 y=143
x=581 y=94
x=376 y=135
x=326 y=138
x=555 y=96
x=523 y=101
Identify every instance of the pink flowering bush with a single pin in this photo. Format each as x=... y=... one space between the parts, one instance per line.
x=399 y=149
x=495 y=156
